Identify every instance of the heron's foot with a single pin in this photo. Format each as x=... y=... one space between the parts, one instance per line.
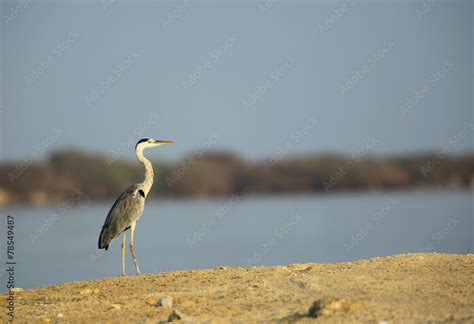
x=138 y=271
x=123 y=274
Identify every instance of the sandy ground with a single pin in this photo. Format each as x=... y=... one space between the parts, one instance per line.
x=401 y=288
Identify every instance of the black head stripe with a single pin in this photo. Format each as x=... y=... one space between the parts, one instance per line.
x=142 y=193
x=141 y=141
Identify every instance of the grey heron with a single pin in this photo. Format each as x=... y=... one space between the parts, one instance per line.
x=128 y=207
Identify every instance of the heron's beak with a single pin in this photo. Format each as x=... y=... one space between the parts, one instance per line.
x=164 y=142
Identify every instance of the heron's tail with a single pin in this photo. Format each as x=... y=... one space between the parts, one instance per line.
x=104 y=238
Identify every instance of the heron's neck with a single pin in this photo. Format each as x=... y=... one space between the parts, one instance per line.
x=148 y=182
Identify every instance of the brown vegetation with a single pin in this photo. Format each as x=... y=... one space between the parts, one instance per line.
x=223 y=173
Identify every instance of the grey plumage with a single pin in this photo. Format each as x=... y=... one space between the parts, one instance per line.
x=126 y=210
x=128 y=207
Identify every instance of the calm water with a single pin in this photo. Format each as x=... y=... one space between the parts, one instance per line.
x=240 y=232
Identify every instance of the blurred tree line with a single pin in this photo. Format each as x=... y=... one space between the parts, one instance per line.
x=225 y=173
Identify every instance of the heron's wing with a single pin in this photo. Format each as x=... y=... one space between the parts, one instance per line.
x=126 y=210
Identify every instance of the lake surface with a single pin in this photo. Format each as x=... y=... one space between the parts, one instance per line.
x=55 y=246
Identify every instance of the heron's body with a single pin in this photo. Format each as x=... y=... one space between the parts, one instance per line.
x=126 y=210
x=129 y=206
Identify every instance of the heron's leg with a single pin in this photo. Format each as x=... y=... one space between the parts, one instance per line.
x=132 y=231
x=123 y=252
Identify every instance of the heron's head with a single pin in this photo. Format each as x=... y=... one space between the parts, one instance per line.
x=150 y=142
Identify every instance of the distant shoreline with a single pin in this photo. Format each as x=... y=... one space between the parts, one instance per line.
x=73 y=177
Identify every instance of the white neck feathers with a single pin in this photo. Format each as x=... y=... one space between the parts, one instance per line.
x=148 y=182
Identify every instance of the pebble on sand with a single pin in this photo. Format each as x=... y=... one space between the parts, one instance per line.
x=165 y=301
x=332 y=305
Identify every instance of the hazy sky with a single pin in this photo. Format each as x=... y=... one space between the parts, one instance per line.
x=254 y=77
